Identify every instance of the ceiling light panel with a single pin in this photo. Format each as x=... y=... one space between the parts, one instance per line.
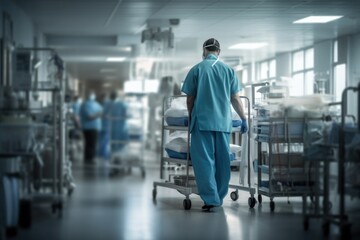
x=115 y=59
x=317 y=19
x=248 y=46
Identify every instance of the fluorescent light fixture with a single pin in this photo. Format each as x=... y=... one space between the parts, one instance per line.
x=115 y=59
x=110 y=77
x=107 y=70
x=126 y=49
x=106 y=84
x=248 y=46
x=317 y=19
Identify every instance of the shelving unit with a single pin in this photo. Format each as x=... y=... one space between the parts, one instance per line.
x=281 y=169
x=182 y=184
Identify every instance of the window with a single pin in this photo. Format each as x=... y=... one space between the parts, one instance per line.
x=339 y=80
x=339 y=71
x=302 y=82
x=267 y=70
x=298 y=61
x=245 y=76
x=297 y=85
x=335 y=51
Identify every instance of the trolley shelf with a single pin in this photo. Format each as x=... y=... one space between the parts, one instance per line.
x=175 y=160
x=176 y=128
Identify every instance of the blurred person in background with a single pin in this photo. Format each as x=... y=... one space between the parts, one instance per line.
x=117 y=116
x=104 y=136
x=90 y=118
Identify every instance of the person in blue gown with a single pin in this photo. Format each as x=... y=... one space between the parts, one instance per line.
x=211 y=86
x=90 y=118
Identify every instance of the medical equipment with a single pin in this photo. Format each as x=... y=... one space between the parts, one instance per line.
x=29 y=129
x=344 y=141
x=281 y=170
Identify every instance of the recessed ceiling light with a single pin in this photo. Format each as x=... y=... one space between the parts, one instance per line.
x=126 y=49
x=317 y=19
x=110 y=77
x=107 y=70
x=249 y=46
x=115 y=59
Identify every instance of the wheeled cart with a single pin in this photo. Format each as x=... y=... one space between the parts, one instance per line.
x=245 y=156
x=346 y=146
x=281 y=169
x=184 y=183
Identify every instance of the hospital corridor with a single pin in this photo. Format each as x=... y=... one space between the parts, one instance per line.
x=172 y=120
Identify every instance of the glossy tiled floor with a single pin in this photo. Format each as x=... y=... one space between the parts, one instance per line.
x=122 y=208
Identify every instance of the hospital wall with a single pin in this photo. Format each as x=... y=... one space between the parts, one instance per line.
x=22 y=24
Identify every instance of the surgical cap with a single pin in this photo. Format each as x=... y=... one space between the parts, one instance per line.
x=211 y=44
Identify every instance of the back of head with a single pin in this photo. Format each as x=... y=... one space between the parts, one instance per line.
x=113 y=95
x=212 y=45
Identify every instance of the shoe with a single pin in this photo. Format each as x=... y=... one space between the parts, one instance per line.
x=207 y=208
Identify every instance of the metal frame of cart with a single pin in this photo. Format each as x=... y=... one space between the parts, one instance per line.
x=235 y=195
x=184 y=189
x=286 y=174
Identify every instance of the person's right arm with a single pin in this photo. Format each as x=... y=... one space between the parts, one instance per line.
x=238 y=106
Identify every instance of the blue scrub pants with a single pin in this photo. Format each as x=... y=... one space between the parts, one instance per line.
x=211 y=162
x=104 y=147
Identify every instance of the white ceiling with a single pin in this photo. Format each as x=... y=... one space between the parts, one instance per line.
x=86 y=31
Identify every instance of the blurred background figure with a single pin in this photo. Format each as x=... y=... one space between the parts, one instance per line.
x=90 y=116
x=103 y=149
x=76 y=104
x=168 y=87
x=117 y=115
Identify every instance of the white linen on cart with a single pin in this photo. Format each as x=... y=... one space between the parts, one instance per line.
x=178 y=143
x=177 y=114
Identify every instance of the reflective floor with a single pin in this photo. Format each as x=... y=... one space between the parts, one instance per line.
x=121 y=207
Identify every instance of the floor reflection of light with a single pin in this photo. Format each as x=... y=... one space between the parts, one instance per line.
x=234 y=225
x=138 y=224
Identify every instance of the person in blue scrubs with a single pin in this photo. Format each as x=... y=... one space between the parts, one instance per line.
x=211 y=86
x=104 y=138
x=90 y=117
x=117 y=115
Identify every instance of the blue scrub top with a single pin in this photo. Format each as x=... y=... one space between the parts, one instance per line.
x=76 y=108
x=105 y=124
x=118 y=120
x=89 y=108
x=212 y=85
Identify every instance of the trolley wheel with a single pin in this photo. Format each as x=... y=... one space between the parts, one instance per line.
x=326 y=228
x=345 y=231
x=259 y=198
x=306 y=223
x=251 y=202
x=234 y=195
x=154 y=192
x=272 y=205
x=187 y=204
